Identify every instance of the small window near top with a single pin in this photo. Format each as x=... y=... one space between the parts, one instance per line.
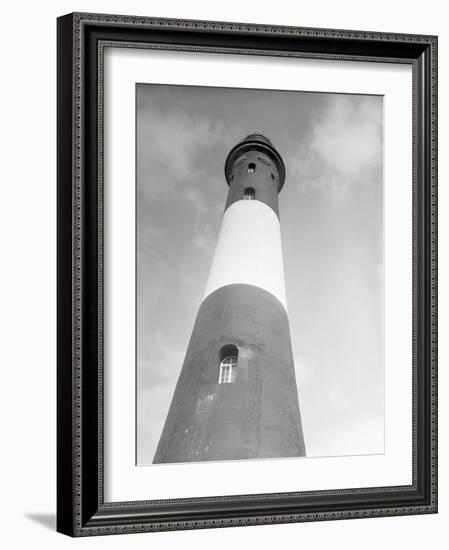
x=251 y=167
x=228 y=357
x=249 y=194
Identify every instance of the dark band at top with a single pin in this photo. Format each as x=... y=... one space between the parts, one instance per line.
x=256 y=142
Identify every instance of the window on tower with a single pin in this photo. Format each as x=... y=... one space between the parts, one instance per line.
x=249 y=194
x=228 y=364
x=228 y=369
x=251 y=167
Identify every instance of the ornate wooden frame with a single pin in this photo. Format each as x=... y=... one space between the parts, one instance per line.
x=81 y=41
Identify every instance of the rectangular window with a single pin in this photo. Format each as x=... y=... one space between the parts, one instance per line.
x=249 y=194
x=228 y=370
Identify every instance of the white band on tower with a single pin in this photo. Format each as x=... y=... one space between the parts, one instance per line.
x=249 y=250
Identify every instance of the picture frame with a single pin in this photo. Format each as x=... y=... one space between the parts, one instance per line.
x=81 y=507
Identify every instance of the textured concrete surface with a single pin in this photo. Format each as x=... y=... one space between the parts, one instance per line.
x=257 y=416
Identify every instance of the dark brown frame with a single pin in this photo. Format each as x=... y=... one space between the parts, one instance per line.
x=81 y=508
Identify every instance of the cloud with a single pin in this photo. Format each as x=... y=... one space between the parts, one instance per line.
x=162 y=366
x=177 y=141
x=176 y=148
x=342 y=149
x=205 y=236
x=348 y=139
x=180 y=172
x=153 y=405
x=156 y=379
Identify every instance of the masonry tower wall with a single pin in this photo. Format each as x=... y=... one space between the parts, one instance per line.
x=236 y=396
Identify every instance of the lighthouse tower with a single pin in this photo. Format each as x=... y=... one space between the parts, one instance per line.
x=236 y=396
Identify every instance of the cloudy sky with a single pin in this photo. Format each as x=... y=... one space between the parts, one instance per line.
x=331 y=222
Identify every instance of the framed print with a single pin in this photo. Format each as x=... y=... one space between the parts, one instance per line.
x=247 y=288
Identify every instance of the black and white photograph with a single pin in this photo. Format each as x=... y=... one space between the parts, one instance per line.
x=246 y=275
x=259 y=274
x=222 y=316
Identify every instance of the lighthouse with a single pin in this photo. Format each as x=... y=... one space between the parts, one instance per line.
x=236 y=396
